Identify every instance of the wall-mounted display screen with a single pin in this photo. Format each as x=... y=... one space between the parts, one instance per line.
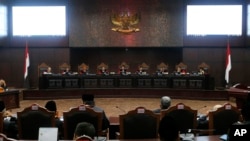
x=39 y=20
x=214 y=20
x=248 y=20
x=3 y=19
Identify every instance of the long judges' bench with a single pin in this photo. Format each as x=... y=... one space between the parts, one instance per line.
x=58 y=81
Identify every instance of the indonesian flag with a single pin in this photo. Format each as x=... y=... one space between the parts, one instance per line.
x=26 y=61
x=228 y=63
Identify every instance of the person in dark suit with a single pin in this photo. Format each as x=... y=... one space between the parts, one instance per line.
x=234 y=132
x=51 y=106
x=165 y=104
x=84 y=128
x=88 y=99
x=9 y=122
x=168 y=129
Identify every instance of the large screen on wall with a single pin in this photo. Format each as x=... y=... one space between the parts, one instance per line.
x=39 y=20
x=214 y=20
x=3 y=19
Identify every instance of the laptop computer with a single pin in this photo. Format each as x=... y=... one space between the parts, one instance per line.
x=48 y=134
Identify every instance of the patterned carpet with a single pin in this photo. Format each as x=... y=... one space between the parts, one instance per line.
x=118 y=106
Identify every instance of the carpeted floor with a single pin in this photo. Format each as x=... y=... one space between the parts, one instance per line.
x=118 y=106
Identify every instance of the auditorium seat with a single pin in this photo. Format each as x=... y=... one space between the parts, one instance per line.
x=221 y=119
x=43 y=67
x=139 y=123
x=63 y=67
x=1 y=122
x=31 y=119
x=163 y=66
x=79 y=114
x=185 y=116
x=144 y=66
x=84 y=138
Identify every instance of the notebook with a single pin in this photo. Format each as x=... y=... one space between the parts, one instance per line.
x=48 y=134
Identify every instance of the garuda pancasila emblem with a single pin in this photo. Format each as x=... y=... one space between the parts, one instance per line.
x=125 y=22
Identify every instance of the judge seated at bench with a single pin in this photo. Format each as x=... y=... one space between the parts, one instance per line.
x=48 y=71
x=103 y=71
x=67 y=71
x=141 y=71
x=3 y=86
x=123 y=70
x=180 y=71
x=162 y=71
x=84 y=71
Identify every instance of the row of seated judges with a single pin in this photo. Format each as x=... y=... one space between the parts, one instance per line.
x=123 y=69
x=169 y=123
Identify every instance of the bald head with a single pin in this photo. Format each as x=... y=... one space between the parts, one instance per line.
x=165 y=102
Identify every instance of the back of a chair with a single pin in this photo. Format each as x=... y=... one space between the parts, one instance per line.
x=1 y=122
x=185 y=117
x=84 y=138
x=63 y=67
x=139 y=124
x=79 y=114
x=31 y=119
x=221 y=119
x=3 y=137
x=43 y=67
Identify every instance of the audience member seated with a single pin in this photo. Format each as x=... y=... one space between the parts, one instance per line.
x=51 y=106
x=48 y=71
x=88 y=99
x=3 y=86
x=244 y=124
x=165 y=104
x=203 y=119
x=84 y=129
x=10 y=122
x=168 y=129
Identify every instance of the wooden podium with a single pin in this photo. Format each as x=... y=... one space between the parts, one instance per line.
x=240 y=93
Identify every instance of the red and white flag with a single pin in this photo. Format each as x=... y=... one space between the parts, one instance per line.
x=228 y=63
x=26 y=61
